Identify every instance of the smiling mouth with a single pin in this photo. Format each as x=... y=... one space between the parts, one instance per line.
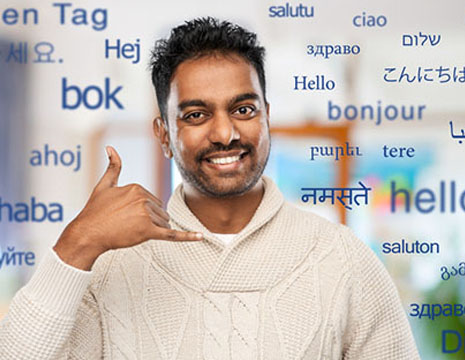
x=227 y=159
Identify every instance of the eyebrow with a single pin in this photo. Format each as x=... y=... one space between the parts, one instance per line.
x=198 y=102
x=188 y=103
x=242 y=97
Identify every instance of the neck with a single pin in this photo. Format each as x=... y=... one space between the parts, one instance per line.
x=224 y=215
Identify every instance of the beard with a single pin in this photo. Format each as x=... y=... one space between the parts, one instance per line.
x=228 y=184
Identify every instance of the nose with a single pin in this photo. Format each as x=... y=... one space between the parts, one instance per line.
x=223 y=130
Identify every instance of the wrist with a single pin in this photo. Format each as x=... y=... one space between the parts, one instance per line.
x=76 y=249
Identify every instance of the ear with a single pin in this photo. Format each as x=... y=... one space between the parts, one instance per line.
x=161 y=132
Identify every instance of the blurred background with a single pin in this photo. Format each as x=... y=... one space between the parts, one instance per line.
x=32 y=118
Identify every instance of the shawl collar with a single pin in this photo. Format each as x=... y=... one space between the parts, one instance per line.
x=183 y=217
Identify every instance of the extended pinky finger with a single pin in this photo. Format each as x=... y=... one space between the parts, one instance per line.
x=175 y=235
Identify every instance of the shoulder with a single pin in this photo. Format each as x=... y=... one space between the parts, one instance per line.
x=332 y=244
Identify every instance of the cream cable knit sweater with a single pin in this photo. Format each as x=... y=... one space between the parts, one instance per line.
x=290 y=286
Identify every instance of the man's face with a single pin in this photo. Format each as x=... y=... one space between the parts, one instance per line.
x=218 y=124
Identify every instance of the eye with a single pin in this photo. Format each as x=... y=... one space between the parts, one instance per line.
x=245 y=111
x=196 y=116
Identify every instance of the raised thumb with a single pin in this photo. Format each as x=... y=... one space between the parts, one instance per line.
x=111 y=175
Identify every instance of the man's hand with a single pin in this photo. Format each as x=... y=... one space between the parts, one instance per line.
x=115 y=217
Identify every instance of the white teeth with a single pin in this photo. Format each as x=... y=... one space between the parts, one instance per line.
x=225 y=160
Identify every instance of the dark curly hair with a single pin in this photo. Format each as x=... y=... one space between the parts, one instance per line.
x=197 y=38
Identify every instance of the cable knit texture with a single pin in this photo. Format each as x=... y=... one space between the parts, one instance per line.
x=290 y=286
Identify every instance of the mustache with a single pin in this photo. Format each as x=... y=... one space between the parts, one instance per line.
x=234 y=145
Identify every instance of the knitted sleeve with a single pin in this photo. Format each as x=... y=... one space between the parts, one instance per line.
x=381 y=330
x=53 y=317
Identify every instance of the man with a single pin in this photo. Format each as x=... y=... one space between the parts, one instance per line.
x=245 y=275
